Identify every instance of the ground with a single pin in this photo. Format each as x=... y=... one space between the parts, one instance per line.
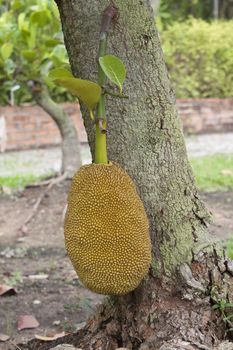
x=36 y=263
x=33 y=258
x=57 y=301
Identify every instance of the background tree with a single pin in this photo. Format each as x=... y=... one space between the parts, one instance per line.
x=172 y=307
x=31 y=44
x=208 y=9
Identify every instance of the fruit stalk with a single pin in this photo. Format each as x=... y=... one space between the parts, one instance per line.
x=101 y=124
x=100 y=137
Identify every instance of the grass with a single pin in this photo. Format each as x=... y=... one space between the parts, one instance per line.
x=213 y=173
x=21 y=181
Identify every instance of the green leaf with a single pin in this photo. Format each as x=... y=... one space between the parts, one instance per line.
x=55 y=10
x=31 y=39
x=87 y=91
x=21 y=23
x=39 y=17
x=60 y=73
x=215 y=307
x=52 y=42
x=6 y=50
x=228 y=304
x=16 y=4
x=114 y=69
x=29 y=54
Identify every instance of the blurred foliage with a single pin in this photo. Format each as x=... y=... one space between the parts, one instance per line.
x=198 y=54
x=173 y=10
x=31 y=44
x=199 y=57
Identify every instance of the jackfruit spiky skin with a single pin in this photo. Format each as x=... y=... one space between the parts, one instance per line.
x=106 y=230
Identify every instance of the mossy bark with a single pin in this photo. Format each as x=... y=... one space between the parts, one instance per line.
x=71 y=156
x=145 y=138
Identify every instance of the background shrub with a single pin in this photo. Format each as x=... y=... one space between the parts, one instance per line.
x=199 y=57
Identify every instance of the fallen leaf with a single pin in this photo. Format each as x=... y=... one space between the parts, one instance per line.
x=38 y=277
x=24 y=229
x=7 y=190
x=27 y=321
x=4 y=337
x=56 y=322
x=7 y=290
x=65 y=347
x=50 y=337
x=20 y=240
x=227 y=172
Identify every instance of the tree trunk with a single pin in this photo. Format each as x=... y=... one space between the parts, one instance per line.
x=71 y=157
x=172 y=307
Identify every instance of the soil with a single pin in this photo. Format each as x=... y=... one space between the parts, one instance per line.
x=34 y=262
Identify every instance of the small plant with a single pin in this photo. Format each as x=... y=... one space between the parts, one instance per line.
x=229 y=248
x=93 y=94
x=105 y=192
x=225 y=308
x=14 y=279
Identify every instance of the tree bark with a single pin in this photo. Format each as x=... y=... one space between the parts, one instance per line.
x=171 y=309
x=71 y=157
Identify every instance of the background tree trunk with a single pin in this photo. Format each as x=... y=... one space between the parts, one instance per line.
x=171 y=309
x=155 y=5
x=71 y=156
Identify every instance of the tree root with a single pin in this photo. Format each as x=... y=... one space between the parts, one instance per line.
x=160 y=315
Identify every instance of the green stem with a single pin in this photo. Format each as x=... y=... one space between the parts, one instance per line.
x=114 y=94
x=100 y=137
x=100 y=141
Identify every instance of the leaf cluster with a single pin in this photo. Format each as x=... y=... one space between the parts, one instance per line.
x=225 y=309
x=88 y=91
x=31 y=43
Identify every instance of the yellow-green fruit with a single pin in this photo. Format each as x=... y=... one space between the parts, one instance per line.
x=106 y=230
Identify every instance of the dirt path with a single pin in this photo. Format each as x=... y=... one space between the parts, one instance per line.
x=36 y=263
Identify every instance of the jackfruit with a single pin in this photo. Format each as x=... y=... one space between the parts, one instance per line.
x=106 y=230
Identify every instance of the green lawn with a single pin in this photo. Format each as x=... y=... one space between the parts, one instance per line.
x=213 y=173
x=21 y=181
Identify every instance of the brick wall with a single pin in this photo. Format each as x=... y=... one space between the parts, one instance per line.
x=206 y=115
x=30 y=126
